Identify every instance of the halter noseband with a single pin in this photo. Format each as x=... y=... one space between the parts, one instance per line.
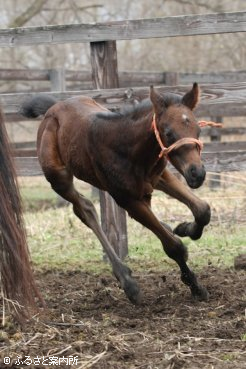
x=182 y=141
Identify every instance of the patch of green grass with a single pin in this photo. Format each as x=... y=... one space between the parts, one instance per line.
x=228 y=357
x=37 y=198
x=37 y=193
x=57 y=238
x=218 y=245
x=243 y=337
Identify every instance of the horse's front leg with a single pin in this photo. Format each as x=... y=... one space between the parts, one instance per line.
x=173 y=246
x=171 y=185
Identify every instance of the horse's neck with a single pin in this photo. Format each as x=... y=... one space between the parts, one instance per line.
x=145 y=148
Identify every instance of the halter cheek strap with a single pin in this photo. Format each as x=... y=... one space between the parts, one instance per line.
x=183 y=141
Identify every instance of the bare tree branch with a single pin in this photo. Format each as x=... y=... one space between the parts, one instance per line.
x=82 y=8
x=29 y=13
x=202 y=4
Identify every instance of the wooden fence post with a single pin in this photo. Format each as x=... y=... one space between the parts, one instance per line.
x=171 y=78
x=215 y=135
x=57 y=79
x=105 y=75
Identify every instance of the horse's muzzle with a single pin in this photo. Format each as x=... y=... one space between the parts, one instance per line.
x=195 y=175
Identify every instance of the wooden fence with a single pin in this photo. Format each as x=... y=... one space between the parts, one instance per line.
x=218 y=100
x=227 y=99
x=71 y=80
x=60 y=80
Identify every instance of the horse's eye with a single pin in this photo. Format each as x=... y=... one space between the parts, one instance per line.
x=169 y=135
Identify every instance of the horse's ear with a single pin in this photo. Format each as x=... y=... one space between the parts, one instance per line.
x=157 y=100
x=191 y=98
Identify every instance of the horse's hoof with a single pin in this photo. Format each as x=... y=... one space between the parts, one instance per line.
x=181 y=229
x=129 y=285
x=188 y=230
x=133 y=292
x=200 y=293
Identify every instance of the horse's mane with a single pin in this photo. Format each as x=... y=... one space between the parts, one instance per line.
x=138 y=108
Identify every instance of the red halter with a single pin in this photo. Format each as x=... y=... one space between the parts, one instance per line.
x=183 y=141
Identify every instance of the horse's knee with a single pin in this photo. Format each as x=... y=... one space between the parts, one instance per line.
x=203 y=214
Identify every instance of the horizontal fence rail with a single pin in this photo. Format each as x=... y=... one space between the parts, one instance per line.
x=227 y=99
x=218 y=158
x=125 y=77
x=209 y=147
x=188 y=25
x=206 y=132
x=24 y=74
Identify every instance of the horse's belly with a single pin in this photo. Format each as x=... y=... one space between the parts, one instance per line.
x=92 y=180
x=83 y=170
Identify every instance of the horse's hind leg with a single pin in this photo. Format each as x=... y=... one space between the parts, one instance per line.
x=200 y=209
x=86 y=212
x=62 y=182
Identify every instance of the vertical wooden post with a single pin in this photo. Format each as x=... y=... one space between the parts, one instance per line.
x=105 y=75
x=215 y=135
x=57 y=79
x=171 y=78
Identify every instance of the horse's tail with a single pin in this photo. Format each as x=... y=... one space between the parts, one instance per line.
x=17 y=281
x=37 y=105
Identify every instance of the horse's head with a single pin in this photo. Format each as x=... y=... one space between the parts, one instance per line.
x=176 y=124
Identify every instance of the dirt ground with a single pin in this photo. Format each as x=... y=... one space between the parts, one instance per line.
x=89 y=318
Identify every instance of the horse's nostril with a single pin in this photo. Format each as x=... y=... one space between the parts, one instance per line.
x=196 y=173
x=193 y=171
x=195 y=176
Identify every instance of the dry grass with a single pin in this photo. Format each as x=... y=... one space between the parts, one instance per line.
x=57 y=238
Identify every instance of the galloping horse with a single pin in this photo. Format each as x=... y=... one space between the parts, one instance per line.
x=17 y=281
x=125 y=153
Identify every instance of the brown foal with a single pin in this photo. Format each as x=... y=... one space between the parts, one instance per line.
x=126 y=154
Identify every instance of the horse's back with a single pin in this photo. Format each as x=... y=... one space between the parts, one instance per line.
x=74 y=115
x=64 y=137
x=79 y=107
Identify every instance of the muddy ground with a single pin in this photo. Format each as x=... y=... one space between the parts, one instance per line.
x=88 y=317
